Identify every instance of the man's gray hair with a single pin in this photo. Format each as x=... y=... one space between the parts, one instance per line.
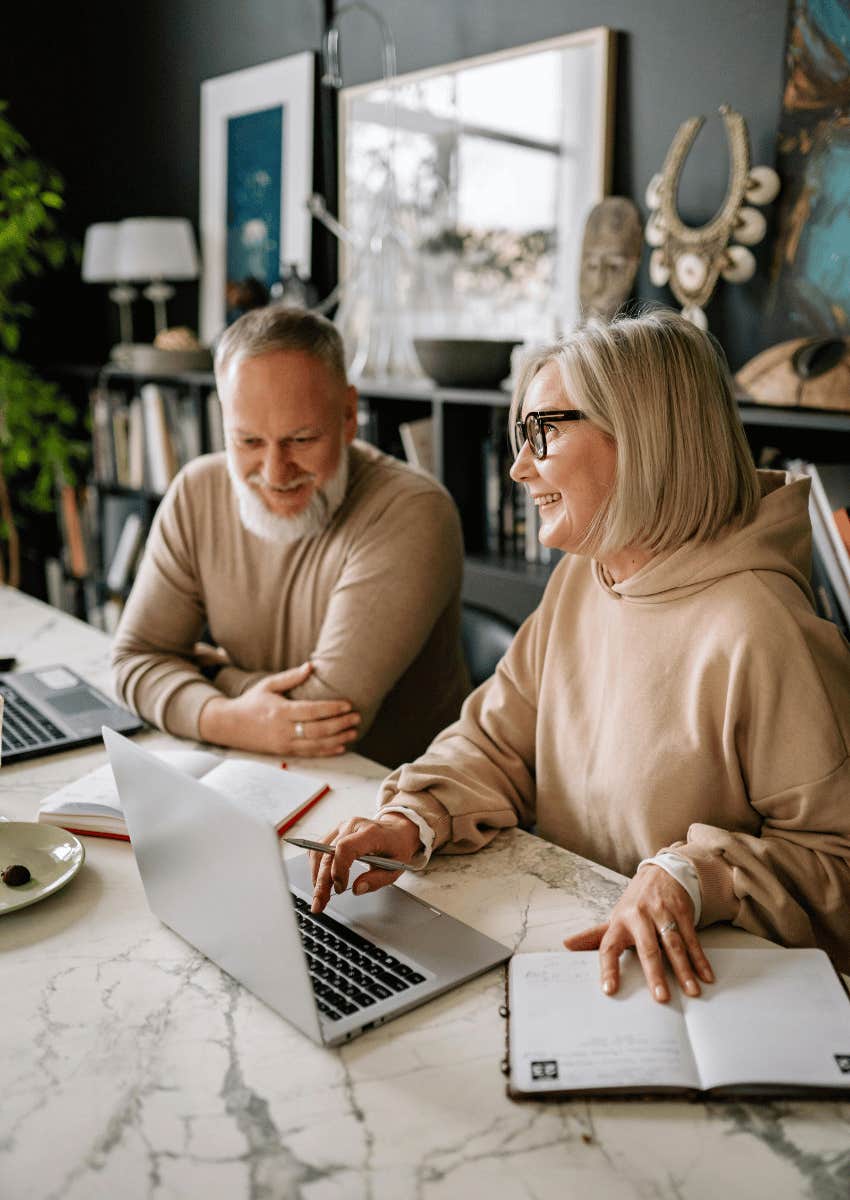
x=282 y=327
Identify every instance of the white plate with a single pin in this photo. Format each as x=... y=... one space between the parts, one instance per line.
x=53 y=857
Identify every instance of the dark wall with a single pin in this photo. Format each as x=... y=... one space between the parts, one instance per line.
x=110 y=95
x=112 y=98
x=677 y=59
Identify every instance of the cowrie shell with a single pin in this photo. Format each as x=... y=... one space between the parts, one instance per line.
x=762 y=185
x=741 y=265
x=695 y=315
x=654 y=232
x=691 y=271
x=750 y=227
x=659 y=272
x=653 y=192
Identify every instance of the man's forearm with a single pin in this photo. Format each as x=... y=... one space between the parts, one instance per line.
x=215 y=723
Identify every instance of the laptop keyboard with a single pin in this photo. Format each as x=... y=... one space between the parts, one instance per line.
x=348 y=972
x=23 y=725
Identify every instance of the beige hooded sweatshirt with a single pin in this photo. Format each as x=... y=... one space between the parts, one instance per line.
x=700 y=705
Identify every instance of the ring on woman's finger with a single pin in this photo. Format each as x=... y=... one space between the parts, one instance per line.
x=299 y=729
x=670 y=927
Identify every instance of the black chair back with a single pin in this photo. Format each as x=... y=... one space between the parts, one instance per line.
x=485 y=636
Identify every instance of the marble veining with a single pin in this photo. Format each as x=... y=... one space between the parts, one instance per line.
x=132 y=1067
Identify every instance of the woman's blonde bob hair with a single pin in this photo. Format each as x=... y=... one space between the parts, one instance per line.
x=660 y=388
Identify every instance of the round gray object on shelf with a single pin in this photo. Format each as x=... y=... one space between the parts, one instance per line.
x=465 y=362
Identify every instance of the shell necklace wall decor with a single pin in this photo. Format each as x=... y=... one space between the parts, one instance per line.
x=692 y=259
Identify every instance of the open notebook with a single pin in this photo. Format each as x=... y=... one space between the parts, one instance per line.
x=90 y=805
x=776 y=1022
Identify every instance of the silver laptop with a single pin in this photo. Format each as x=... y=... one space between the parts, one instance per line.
x=53 y=709
x=212 y=871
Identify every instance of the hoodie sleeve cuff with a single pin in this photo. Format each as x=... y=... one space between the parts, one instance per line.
x=719 y=902
x=424 y=806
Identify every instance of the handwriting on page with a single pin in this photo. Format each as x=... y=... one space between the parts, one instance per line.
x=565 y=1033
x=266 y=790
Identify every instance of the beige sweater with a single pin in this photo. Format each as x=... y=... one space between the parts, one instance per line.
x=700 y=705
x=373 y=602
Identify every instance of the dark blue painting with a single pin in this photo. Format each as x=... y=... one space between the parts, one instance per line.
x=254 y=181
x=810 y=292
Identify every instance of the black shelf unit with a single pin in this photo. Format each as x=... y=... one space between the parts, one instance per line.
x=461 y=418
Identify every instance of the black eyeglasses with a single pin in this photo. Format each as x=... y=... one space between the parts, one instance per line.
x=532 y=428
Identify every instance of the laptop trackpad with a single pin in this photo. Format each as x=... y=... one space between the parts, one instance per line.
x=383 y=914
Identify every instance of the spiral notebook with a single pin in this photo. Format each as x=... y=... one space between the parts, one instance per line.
x=776 y=1023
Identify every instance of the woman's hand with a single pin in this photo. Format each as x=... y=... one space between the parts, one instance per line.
x=654 y=911
x=392 y=836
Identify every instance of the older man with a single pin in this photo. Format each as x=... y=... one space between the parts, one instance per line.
x=327 y=572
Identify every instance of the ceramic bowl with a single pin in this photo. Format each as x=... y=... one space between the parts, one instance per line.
x=465 y=362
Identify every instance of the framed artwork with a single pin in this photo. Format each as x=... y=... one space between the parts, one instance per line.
x=810 y=283
x=493 y=165
x=256 y=176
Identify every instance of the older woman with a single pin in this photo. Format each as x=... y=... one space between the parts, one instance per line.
x=674 y=709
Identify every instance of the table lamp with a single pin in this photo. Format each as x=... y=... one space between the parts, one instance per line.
x=100 y=265
x=159 y=249
x=156 y=248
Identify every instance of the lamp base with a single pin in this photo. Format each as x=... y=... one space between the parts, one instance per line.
x=153 y=360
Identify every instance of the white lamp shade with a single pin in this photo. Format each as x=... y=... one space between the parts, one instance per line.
x=156 y=248
x=100 y=253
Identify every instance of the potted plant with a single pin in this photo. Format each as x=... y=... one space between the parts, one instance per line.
x=37 y=423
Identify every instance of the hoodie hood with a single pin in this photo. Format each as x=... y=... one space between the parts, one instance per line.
x=778 y=539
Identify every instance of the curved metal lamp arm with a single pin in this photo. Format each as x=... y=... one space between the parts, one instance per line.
x=331 y=76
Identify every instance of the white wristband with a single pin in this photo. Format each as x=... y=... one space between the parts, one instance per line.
x=426 y=833
x=683 y=871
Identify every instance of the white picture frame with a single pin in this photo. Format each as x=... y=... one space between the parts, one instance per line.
x=278 y=95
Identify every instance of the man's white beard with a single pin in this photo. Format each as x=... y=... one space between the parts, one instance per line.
x=276 y=527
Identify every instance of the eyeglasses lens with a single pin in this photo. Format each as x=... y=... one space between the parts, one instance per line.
x=531 y=430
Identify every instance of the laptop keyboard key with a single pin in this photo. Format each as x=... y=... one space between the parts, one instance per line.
x=348 y=972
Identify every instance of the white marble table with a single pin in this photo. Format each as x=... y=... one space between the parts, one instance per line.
x=132 y=1067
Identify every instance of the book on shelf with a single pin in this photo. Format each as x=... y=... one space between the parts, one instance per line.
x=776 y=1023
x=135 y=445
x=114 y=513
x=90 y=805
x=124 y=558
x=511 y=519
x=830 y=494
x=54 y=582
x=103 y=453
x=75 y=552
x=417 y=439
x=121 y=442
x=160 y=455
x=215 y=424
x=828 y=498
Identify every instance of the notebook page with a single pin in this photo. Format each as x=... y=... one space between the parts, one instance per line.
x=269 y=791
x=96 y=793
x=775 y=1017
x=565 y=1033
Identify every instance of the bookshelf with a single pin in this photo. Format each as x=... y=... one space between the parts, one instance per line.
x=463 y=418
x=144 y=427
x=508 y=579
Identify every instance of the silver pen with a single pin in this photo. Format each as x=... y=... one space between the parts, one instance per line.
x=373 y=860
